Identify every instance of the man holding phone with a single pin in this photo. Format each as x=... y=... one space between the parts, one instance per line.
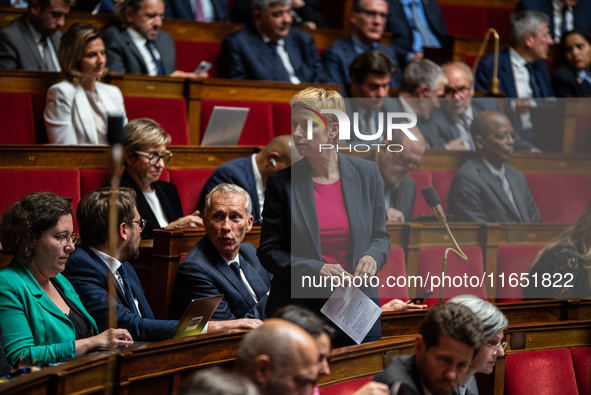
x=138 y=45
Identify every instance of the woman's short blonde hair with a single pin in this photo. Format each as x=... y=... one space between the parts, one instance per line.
x=319 y=98
x=73 y=47
x=144 y=132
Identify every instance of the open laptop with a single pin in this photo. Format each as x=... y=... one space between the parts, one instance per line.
x=196 y=316
x=225 y=126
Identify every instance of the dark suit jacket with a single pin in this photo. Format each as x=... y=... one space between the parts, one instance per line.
x=404 y=369
x=238 y=171
x=338 y=57
x=291 y=255
x=124 y=57
x=168 y=196
x=402 y=38
x=205 y=273
x=90 y=277
x=476 y=195
x=245 y=56
x=581 y=12
x=182 y=9
x=18 y=49
x=567 y=84
x=484 y=74
x=446 y=123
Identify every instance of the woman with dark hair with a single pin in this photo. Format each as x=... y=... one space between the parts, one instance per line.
x=41 y=316
x=77 y=108
x=574 y=78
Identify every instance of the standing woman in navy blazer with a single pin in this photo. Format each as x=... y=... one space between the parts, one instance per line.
x=323 y=216
x=41 y=316
x=77 y=109
x=574 y=78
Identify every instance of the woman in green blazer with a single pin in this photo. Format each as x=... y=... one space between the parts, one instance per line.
x=41 y=315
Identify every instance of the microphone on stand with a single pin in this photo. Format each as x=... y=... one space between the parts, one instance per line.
x=432 y=199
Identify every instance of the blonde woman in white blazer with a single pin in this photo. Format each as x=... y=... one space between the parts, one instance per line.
x=76 y=109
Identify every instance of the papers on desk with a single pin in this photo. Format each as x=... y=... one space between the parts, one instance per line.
x=352 y=311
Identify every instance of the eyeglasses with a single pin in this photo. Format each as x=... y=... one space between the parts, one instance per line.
x=407 y=163
x=153 y=157
x=141 y=223
x=497 y=347
x=462 y=91
x=373 y=14
x=63 y=239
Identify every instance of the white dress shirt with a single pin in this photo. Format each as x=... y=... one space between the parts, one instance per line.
x=140 y=43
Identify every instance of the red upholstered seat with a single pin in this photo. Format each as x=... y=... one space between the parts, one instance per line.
x=16 y=115
x=456 y=17
x=582 y=365
x=189 y=183
x=547 y=372
x=38 y=99
x=423 y=179
x=281 y=118
x=514 y=259
x=190 y=53
x=500 y=19
x=430 y=264
x=442 y=184
x=395 y=266
x=91 y=179
x=561 y=198
x=171 y=114
x=345 y=388
x=258 y=128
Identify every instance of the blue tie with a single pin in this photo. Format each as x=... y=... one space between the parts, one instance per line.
x=281 y=73
x=127 y=289
x=235 y=269
x=150 y=46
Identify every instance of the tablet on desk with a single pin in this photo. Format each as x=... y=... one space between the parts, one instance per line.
x=225 y=126
x=196 y=316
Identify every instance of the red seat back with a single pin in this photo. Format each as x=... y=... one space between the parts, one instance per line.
x=258 y=128
x=189 y=183
x=456 y=16
x=39 y=99
x=514 y=259
x=442 y=183
x=561 y=198
x=423 y=179
x=540 y=372
x=91 y=179
x=500 y=19
x=189 y=55
x=16 y=115
x=395 y=268
x=171 y=114
x=465 y=275
x=582 y=363
x=346 y=387
x=281 y=118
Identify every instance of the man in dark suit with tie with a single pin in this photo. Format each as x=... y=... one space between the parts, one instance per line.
x=138 y=45
x=251 y=173
x=91 y=268
x=194 y=10
x=415 y=24
x=485 y=189
x=221 y=263
x=563 y=15
x=368 y=21
x=269 y=49
x=31 y=41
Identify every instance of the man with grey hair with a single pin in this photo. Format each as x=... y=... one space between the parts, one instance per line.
x=138 y=45
x=280 y=358
x=269 y=49
x=31 y=41
x=221 y=263
x=423 y=84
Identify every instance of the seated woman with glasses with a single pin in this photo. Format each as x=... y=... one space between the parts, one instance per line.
x=493 y=346
x=41 y=316
x=77 y=108
x=158 y=202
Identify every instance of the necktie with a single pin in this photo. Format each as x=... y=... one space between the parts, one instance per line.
x=533 y=81
x=47 y=57
x=563 y=27
x=235 y=269
x=199 y=11
x=280 y=71
x=466 y=122
x=127 y=288
x=156 y=59
x=428 y=39
x=507 y=190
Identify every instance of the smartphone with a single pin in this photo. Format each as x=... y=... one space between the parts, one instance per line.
x=203 y=67
x=420 y=297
